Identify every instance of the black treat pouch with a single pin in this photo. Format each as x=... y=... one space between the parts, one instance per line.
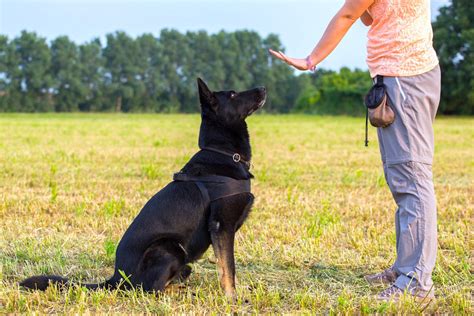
x=379 y=112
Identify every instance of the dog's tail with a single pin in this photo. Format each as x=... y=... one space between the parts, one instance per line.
x=41 y=282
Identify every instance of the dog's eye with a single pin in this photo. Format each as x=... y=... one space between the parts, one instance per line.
x=233 y=94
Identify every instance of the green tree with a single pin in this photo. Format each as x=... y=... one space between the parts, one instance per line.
x=282 y=85
x=4 y=80
x=148 y=47
x=204 y=60
x=91 y=74
x=335 y=93
x=454 y=43
x=11 y=93
x=173 y=54
x=122 y=76
x=232 y=63
x=69 y=89
x=307 y=100
x=33 y=80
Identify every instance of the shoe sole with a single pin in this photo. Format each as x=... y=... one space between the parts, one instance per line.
x=423 y=301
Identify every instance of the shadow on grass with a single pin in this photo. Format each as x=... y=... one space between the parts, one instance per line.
x=331 y=273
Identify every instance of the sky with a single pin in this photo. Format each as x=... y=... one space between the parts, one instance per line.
x=299 y=23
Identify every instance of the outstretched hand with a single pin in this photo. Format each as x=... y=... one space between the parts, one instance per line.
x=298 y=63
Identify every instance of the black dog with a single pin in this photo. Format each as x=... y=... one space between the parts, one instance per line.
x=206 y=203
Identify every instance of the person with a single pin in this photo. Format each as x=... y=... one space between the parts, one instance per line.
x=400 y=49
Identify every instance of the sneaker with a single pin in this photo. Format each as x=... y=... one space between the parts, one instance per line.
x=388 y=276
x=394 y=294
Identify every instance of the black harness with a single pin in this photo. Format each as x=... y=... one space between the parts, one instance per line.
x=215 y=187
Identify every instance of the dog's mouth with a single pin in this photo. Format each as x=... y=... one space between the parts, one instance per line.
x=257 y=106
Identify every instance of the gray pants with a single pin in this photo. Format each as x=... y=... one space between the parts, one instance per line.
x=407 y=148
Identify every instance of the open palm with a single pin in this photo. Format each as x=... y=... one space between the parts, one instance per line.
x=298 y=63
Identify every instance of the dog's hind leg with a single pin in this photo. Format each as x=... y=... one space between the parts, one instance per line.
x=160 y=265
x=183 y=274
x=158 y=277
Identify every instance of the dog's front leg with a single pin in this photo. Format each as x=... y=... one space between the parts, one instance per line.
x=223 y=245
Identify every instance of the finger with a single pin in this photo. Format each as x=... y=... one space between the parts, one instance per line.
x=282 y=54
x=276 y=54
x=291 y=61
x=271 y=51
x=288 y=60
x=285 y=58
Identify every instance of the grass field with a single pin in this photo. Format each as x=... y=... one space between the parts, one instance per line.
x=323 y=217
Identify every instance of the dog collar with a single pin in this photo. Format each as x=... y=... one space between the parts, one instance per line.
x=236 y=157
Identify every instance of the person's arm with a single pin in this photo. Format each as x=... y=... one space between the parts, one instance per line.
x=350 y=12
x=366 y=18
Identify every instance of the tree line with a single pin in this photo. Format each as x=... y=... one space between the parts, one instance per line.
x=158 y=74
x=129 y=74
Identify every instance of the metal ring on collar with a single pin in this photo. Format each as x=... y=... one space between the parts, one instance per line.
x=236 y=157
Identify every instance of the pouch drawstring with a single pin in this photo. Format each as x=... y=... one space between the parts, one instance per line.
x=366 y=127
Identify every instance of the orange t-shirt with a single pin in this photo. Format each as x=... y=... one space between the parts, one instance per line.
x=400 y=39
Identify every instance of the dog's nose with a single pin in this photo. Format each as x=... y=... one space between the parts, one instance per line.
x=262 y=89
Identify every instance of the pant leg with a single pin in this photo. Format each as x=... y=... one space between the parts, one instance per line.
x=397 y=212
x=407 y=153
x=412 y=188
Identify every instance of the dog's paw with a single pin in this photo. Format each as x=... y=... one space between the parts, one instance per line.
x=183 y=274
x=231 y=296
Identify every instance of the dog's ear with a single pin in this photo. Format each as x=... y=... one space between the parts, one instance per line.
x=206 y=97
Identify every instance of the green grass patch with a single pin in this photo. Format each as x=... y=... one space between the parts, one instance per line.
x=70 y=184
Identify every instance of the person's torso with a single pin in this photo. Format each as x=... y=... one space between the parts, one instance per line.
x=400 y=38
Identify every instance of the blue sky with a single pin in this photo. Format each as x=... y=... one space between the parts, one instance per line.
x=299 y=23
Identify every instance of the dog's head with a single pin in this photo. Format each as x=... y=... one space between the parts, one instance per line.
x=230 y=107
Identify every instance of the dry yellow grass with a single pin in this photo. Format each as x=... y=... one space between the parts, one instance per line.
x=70 y=185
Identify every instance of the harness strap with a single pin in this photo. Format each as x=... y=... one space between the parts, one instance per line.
x=215 y=187
x=204 y=192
